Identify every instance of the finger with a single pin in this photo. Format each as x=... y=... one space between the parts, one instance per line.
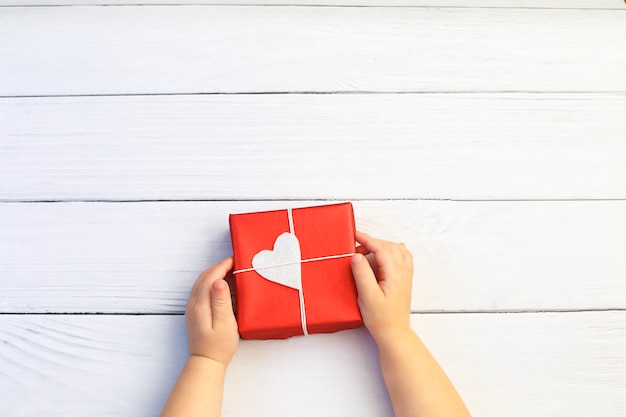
x=406 y=254
x=218 y=270
x=196 y=284
x=223 y=267
x=364 y=278
x=371 y=244
x=362 y=250
x=361 y=236
x=202 y=288
x=230 y=280
x=221 y=303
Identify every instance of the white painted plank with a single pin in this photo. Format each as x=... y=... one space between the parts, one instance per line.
x=125 y=366
x=541 y=4
x=503 y=364
x=143 y=257
x=208 y=49
x=540 y=365
x=459 y=146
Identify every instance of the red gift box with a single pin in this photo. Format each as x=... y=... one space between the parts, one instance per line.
x=292 y=271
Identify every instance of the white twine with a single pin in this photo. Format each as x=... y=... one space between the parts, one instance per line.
x=305 y=329
x=322 y=258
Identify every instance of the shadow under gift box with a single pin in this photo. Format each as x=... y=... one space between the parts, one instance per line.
x=269 y=310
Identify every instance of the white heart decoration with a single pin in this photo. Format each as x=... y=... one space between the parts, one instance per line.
x=282 y=264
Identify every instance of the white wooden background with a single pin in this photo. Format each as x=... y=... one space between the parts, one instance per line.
x=488 y=135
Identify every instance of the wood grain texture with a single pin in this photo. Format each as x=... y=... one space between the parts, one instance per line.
x=459 y=146
x=455 y=99
x=218 y=49
x=540 y=4
x=503 y=364
x=143 y=257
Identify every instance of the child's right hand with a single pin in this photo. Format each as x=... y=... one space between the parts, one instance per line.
x=384 y=290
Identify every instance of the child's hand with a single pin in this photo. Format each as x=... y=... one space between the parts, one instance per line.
x=417 y=385
x=212 y=336
x=211 y=325
x=385 y=291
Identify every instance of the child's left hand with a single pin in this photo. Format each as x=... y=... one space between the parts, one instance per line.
x=211 y=326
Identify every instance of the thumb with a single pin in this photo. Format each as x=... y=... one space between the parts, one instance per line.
x=221 y=303
x=364 y=278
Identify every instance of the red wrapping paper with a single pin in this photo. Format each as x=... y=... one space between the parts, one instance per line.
x=268 y=310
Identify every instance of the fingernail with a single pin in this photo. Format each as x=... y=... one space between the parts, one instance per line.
x=356 y=258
